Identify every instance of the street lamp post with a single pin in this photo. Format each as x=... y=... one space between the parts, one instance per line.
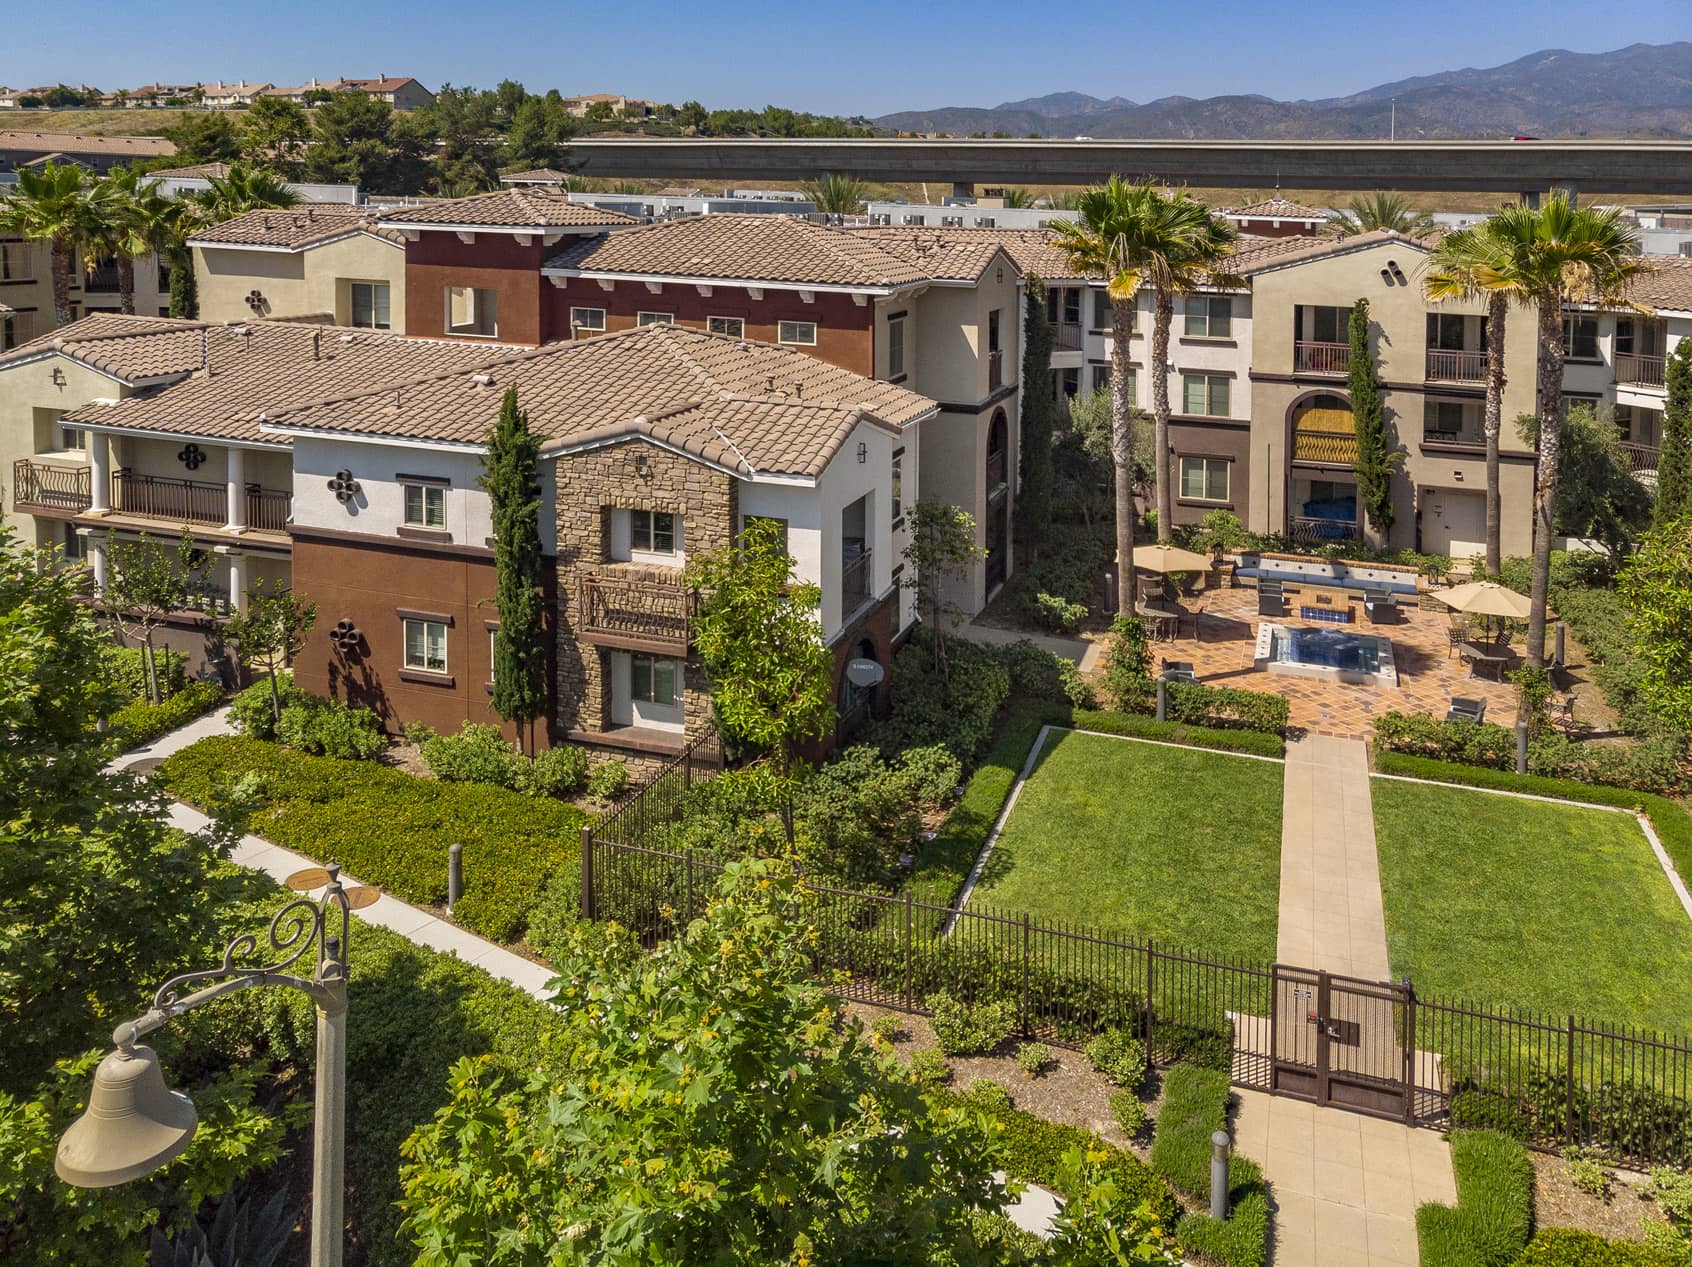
x=133 y=1124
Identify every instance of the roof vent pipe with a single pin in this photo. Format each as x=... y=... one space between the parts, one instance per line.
x=798 y=389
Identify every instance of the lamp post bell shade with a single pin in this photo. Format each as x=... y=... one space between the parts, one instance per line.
x=133 y=1124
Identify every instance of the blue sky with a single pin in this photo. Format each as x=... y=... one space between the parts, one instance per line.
x=842 y=56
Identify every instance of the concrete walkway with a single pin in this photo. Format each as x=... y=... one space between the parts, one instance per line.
x=1331 y=914
x=1078 y=651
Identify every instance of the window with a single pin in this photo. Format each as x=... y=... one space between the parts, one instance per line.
x=654 y=681
x=370 y=305
x=803 y=333
x=1063 y=304
x=898 y=485
x=735 y=326
x=425 y=645
x=425 y=506
x=1580 y=338
x=1205 y=395
x=652 y=531
x=1101 y=378
x=896 y=348
x=655 y=319
x=1445 y=331
x=1066 y=383
x=1209 y=317
x=1101 y=311
x=590 y=320
x=73 y=438
x=1323 y=324
x=1443 y=418
x=472 y=310
x=1205 y=479
x=993 y=331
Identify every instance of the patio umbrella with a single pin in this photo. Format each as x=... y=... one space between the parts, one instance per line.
x=1168 y=558
x=1485 y=598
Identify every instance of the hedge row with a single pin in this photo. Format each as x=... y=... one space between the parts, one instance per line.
x=1493 y=1218
x=1228 y=707
x=139 y=722
x=1566 y=1247
x=1195 y=1106
x=1669 y=819
x=127 y=667
x=392 y=829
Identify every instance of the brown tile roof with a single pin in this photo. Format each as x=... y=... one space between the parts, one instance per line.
x=1667 y=287
x=295 y=228
x=1276 y=208
x=1268 y=253
x=131 y=349
x=201 y=171
x=272 y=365
x=960 y=255
x=526 y=208
x=536 y=175
x=750 y=407
x=385 y=84
x=76 y=143
x=769 y=248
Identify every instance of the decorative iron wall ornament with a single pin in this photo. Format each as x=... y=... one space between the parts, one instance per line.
x=345 y=637
x=344 y=486
x=192 y=456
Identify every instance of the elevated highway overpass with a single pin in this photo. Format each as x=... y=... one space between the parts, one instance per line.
x=1650 y=167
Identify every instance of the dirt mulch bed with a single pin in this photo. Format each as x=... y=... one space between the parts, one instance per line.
x=1068 y=1091
x=405 y=756
x=1558 y=1203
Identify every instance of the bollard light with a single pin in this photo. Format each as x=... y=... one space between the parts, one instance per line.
x=1219 y=1175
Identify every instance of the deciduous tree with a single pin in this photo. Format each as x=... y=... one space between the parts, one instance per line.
x=942 y=545
x=144 y=585
x=271 y=632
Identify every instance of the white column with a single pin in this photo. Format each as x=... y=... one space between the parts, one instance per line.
x=99 y=473
x=236 y=488
x=238 y=580
x=97 y=560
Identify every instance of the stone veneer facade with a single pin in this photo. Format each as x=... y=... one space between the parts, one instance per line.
x=630 y=475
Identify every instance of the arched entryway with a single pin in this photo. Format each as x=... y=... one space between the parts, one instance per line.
x=998 y=499
x=1321 y=483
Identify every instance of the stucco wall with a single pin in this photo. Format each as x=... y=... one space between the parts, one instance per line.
x=24 y=390
x=302 y=283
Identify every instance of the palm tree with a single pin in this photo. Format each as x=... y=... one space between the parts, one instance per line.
x=837 y=195
x=1019 y=196
x=241 y=190
x=1381 y=210
x=138 y=221
x=1454 y=271
x=1550 y=255
x=55 y=205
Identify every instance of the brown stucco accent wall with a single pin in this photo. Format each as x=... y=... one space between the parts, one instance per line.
x=494 y=261
x=1193 y=438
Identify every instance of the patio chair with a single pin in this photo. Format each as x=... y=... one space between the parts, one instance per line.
x=1271 y=601
x=1380 y=607
x=1178 y=671
x=1466 y=709
x=1456 y=633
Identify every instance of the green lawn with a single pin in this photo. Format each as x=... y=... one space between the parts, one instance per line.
x=1552 y=907
x=1142 y=840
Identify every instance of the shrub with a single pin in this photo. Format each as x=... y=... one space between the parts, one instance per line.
x=556 y=913
x=557 y=771
x=886 y=1027
x=970 y=1029
x=478 y=753
x=1127 y=666
x=1054 y=612
x=988 y=1096
x=930 y=1067
x=1261 y=744
x=1076 y=689
x=1567 y=1247
x=1472 y=743
x=139 y=722
x=1061 y=585
x=859 y=813
x=418 y=733
x=1656 y=763
x=1228 y=707
x=1584 y=1169
x=1129 y=1111
x=1120 y=1057
x=608 y=780
x=1032 y=1058
x=328 y=728
x=956 y=708
x=1672 y=1190
x=1242 y=1239
x=251 y=709
x=1195 y=1106
x=127 y=667
x=1490 y=1224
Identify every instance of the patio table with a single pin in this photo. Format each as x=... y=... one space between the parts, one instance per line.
x=1164 y=616
x=1489 y=654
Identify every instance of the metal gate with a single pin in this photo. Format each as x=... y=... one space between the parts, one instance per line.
x=1343 y=1041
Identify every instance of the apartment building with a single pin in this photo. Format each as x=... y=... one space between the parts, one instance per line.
x=1276 y=217
x=26 y=288
x=330 y=262
x=20 y=147
x=226 y=96
x=622 y=107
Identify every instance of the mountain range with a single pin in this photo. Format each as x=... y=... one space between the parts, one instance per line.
x=1640 y=90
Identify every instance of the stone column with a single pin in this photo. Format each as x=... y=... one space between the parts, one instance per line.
x=97 y=561
x=236 y=491
x=99 y=473
x=238 y=580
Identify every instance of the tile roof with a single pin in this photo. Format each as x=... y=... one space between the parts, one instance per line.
x=536 y=175
x=77 y=143
x=201 y=171
x=1268 y=253
x=1276 y=208
x=127 y=348
x=295 y=228
x=505 y=209
x=1668 y=287
x=750 y=407
x=941 y=254
x=769 y=248
x=270 y=365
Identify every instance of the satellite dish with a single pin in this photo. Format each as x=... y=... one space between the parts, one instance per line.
x=864 y=673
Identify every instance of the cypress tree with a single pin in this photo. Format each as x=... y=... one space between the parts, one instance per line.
x=513 y=486
x=1034 y=508
x=184 y=287
x=1674 y=466
x=1375 y=461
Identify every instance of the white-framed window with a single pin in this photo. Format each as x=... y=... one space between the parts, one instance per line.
x=369 y=305
x=1580 y=337
x=73 y=438
x=1101 y=311
x=1209 y=317
x=898 y=498
x=589 y=320
x=426 y=645
x=493 y=653
x=1205 y=395
x=1205 y=479
x=425 y=506
x=653 y=680
x=732 y=326
x=652 y=531
x=895 y=348
x=655 y=318
x=802 y=333
x=472 y=310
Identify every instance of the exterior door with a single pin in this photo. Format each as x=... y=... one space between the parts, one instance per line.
x=1342 y=1042
x=1454 y=523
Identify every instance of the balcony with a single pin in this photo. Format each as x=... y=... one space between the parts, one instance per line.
x=855 y=577
x=196 y=501
x=102 y=279
x=1325 y=437
x=1320 y=358
x=1322 y=531
x=1643 y=457
x=1066 y=336
x=1447 y=365
x=38 y=486
x=1640 y=371
x=636 y=611
x=1466 y=438
x=995 y=370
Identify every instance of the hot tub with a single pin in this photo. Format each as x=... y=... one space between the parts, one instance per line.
x=1337 y=654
